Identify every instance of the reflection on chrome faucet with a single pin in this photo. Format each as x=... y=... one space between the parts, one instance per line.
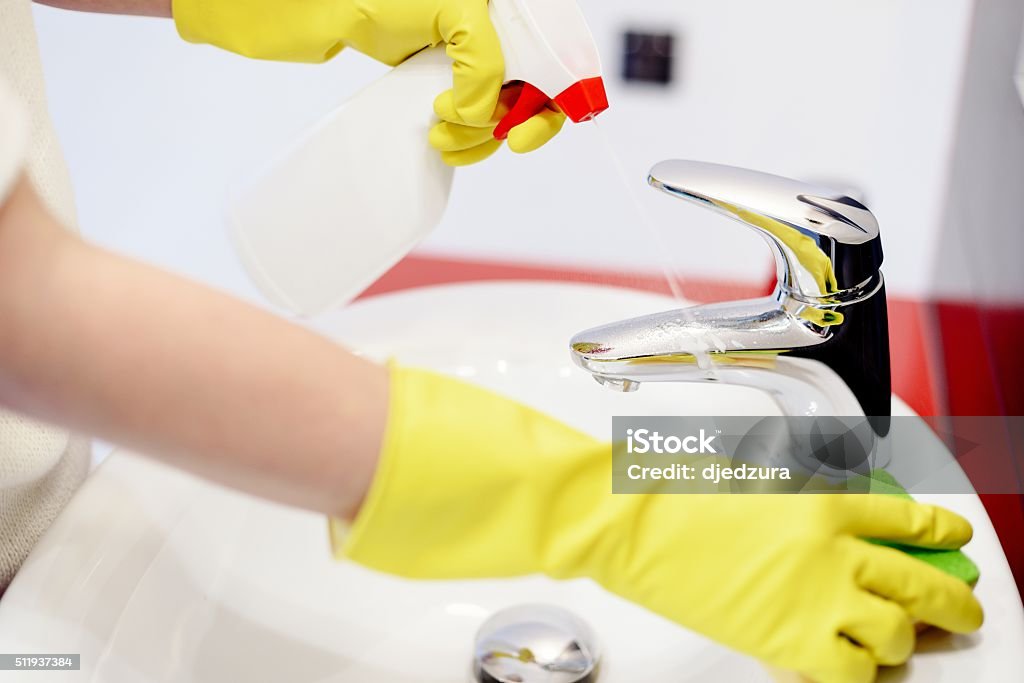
x=819 y=344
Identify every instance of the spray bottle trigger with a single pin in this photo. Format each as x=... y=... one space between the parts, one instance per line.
x=529 y=102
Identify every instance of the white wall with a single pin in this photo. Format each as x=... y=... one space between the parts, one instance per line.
x=1020 y=68
x=981 y=241
x=858 y=92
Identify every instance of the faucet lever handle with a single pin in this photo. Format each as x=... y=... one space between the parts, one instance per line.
x=824 y=242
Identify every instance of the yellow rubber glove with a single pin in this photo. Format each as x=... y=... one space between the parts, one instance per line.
x=462 y=143
x=474 y=485
x=390 y=31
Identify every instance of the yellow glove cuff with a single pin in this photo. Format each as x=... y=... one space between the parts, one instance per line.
x=306 y=31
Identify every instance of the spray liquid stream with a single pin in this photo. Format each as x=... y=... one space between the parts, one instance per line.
x=657 y=238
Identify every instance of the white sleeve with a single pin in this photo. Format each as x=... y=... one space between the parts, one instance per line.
x=13 y=138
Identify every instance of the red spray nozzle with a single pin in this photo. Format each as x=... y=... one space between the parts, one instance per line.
x=581 y=101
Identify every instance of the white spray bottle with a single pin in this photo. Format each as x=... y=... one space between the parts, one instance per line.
x=363 y=187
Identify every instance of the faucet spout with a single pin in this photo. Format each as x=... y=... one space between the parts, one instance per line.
x=819 y=343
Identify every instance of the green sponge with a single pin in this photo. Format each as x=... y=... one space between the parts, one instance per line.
x=953 y=562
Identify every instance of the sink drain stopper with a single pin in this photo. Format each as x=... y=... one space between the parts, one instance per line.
x=535 y=644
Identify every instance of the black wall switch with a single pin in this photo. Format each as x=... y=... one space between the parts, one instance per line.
x=648 y=57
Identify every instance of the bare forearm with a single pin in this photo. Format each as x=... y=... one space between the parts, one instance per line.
x=154 y=362
x=149 y=8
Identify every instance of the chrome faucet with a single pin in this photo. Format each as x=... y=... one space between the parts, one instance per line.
x=819 y=344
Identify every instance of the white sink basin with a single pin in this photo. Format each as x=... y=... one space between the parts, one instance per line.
x=153 y=575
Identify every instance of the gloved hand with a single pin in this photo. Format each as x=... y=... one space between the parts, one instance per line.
x=462 y=143
x=473 y=485
x=390 y=31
